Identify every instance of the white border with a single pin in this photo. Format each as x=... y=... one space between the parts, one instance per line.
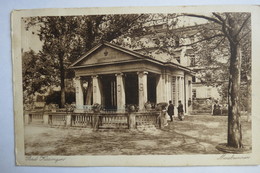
x=153 y=160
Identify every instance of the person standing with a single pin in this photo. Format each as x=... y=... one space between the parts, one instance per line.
x=163 y=115
x=180 y=111
x=170 y=110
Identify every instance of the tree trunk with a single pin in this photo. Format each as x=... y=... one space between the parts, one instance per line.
x=249 y=97
x=234 y=124
x=62 y=81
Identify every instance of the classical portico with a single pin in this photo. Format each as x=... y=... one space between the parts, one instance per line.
x=115 y=77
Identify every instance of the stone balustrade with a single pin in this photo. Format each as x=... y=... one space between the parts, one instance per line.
x=93 y=120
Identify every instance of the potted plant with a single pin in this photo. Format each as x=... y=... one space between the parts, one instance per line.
x=148 y=106
x=96 y=108
x=131 y=108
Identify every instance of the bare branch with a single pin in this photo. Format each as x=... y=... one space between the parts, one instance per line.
x=219 y=42
x=219 y=17
x=243 y=36
x=225 y=26
x=205 y=39
x=204 y=17
x=219 y=21
x=243 y=24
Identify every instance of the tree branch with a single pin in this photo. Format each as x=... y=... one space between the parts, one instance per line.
x=221 y=19
x=204 y=17
x=244 y=35
x=243 y=24
x=220 y=42
x=205 y=39
x=224 y=26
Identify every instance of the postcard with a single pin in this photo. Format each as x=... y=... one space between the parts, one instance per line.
x=136 y=86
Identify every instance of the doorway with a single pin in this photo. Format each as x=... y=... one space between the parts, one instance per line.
x=151 y=88
x=131 y=89
x=109 y=92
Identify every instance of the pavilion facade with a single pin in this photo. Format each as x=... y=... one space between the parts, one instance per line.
x=114 y=77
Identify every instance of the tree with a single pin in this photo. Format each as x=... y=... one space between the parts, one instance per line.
x=59 y=39
x=222 y=36
x=65 y=38
x=34 y=75
x=233 y=27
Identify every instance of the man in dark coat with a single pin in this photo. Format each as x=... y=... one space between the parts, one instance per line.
x=170 y=110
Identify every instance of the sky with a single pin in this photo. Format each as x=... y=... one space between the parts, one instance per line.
x=30 y=39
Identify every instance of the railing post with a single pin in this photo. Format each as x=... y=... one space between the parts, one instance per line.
x=26 y=117
x=68 y=120
x=95 y=121
x=50 y=119
x=132 y=121
x=45 y=118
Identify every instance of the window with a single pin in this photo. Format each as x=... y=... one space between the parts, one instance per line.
x=192 y=61
x=194 y=93
x=193 y=78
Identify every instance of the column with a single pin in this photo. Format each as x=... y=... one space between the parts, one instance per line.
x=190 y=96
x=186 y=94
x=182 y=92
x=190 y=90
x=179 y=89
x=176 y=95
x=96 y=90
x=120 y=92
x=142 y=87
x=176 y=91
x=79 y=93
x=160 y=89
x=169 y=88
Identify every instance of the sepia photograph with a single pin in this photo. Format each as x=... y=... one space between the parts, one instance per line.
x=134 y=86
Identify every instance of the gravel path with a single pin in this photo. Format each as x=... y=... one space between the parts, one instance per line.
x=195 y=135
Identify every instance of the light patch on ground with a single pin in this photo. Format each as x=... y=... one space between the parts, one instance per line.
x=145 y=143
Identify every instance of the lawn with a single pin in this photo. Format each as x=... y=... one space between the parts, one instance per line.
x=197 y=134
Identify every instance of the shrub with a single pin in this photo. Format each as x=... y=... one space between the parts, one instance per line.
x=54 y=97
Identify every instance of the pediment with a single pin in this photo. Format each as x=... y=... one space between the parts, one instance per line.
x=105 y=54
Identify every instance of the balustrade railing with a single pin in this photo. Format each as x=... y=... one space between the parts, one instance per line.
x=113 y=121
x=149 y=118
x=36 y=117
x=103 y=120
x=57 y=119
x=81 y=120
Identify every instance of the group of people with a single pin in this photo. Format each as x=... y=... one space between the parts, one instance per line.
x=170 y=111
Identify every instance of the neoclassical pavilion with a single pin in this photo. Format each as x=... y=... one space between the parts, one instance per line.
x=114 y=77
